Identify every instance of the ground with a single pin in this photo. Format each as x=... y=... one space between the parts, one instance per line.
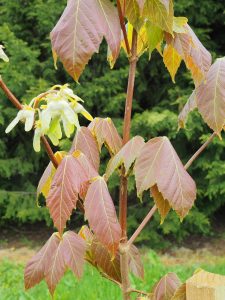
x=18 y=246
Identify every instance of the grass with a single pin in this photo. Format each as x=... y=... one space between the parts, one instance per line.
x=92 y=286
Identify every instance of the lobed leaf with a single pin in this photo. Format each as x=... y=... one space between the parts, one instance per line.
x=51 y=262
x=101 y=214
x=172 y=60
x=70 y=179
x=106 y=133
x=126 y=156
x=189 y=106
x=158 y=164
x=166 y=287
x=85 y=142
x=157 y=13
x=210 y=96
x=80 y=30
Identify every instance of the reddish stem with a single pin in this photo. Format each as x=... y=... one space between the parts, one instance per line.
x=19 y=106
x=122 y=24
x=124 y=260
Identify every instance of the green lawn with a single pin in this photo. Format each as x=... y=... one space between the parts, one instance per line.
x=92 y=286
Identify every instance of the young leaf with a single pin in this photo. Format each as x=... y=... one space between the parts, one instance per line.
x=180 y=293
x=44 y=184
x=189 y=106
x=86 y=143
x=172 y=60
x=210 y=96
x=127 y=155
x=135 y=263
x=161 y=203
x=154 y=36
x=101 y=214
x=196 y=57
x=69 y=254
x=106 y=133
x=38 y=266
x=69 y=179
x=80 y=30
x=157 y=13
x=51 y=262
x=166 y=287
x=158 y=163
x=100 y=257
x=133 y=10
x=179 y=24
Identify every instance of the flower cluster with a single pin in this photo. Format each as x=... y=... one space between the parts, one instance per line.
x=48 y=111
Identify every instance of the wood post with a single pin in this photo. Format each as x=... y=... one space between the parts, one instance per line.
x=205 y=286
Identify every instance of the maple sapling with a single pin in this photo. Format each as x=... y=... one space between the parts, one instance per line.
x=72 y=178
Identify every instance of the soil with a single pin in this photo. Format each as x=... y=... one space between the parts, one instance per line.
x=20 y=244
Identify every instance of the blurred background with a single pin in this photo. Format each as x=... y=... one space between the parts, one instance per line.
x=24 y=31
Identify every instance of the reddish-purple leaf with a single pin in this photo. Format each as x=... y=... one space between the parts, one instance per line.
x=51 y=262
x=135 y=263
x=158 y=164
x=73 y=248
x=100 y=257
x=86 y=143
x=210 y=96
x=80 y=30
x=38 y=266
x=101 y=214
x=70 y=179
x=127 y=155
x=106 y=133
x=166 y=287
x=56 y=269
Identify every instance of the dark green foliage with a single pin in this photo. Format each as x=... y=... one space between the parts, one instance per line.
x=24 y=30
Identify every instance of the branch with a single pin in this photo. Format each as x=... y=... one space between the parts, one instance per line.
x=19 y=106
x=154 y=209
x=200 y=150
x=122 y=24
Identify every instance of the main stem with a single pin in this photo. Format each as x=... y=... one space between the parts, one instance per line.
x=124 y=182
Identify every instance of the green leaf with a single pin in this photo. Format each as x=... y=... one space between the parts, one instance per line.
x=154 y=35
x=156 y=12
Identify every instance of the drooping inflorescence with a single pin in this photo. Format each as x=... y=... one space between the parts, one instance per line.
x=48 y=111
